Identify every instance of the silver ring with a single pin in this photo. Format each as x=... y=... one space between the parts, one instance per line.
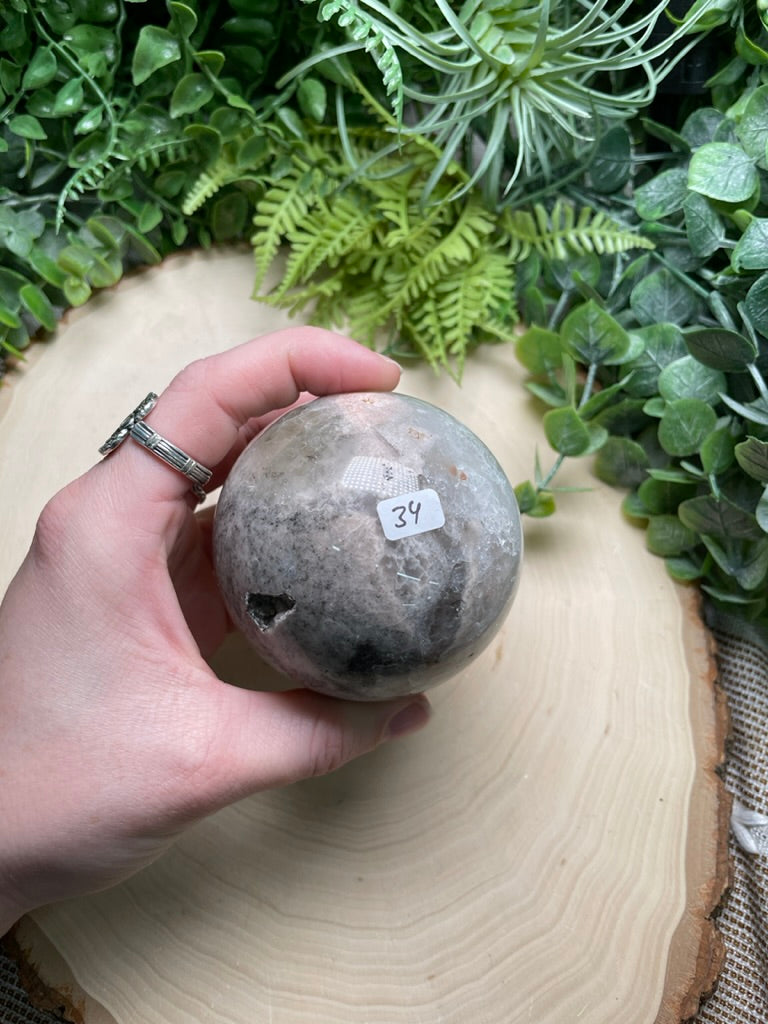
x=133 y=426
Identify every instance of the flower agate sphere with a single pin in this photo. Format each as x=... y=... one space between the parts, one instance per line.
x=368 y=545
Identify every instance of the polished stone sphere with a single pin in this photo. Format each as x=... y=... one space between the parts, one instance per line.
x=368 y=545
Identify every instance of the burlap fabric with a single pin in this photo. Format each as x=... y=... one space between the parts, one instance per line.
x=741 y=996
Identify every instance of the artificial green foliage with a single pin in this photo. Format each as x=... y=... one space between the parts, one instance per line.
x=367 y=256
x=425 y=174
x=132 y=129
x=538 y=83
x=684 y=402
x=108 y=120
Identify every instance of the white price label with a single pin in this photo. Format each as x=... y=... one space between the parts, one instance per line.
x=411 y=513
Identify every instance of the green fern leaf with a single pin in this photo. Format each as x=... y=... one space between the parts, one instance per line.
x=471 y=295
x=424 y=331
x=363 y=28
x=560 y=234
x=282 y=209
x=325 y=235
x=408 y=280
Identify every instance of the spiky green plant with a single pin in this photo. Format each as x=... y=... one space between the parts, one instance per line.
x=533 y=82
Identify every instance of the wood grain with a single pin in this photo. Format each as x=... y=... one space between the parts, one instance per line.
x=550 y=849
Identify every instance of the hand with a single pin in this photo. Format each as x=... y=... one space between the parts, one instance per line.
x=115 y=734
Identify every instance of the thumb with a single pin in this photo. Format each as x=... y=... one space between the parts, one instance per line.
x=273 y=739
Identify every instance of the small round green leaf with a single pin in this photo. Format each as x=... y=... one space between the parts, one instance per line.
x=566 y=432
x=90 y=121
x=684 y=425
x=718 y=517
x=722 y=170
x=155 y=49
x=27 y=127
x=212 y=59
x=663 y=195
x=592 y=336
x=752 y=456
x=69 y=98
x=76 y=291
x=706 y=233
x=660 y=297
x=612 y=163
x=717 y=451
x=229 y=216
x=36 y=301
x=540 y=351
x=526 y=496
x=688 y=378
x=149 y=217
x=191 y=93
x=313 y=99
x=751 y=250
x=663 y=496
x=756 y=305
x=622 y=462
x=721 y=349
x=683 y=568
x=184 y=17
x=662 y=344
x=667 y=536
x=40 y=70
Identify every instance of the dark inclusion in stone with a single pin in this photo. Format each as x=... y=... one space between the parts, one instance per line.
x=368 y=545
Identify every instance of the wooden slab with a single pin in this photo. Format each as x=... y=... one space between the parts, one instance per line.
x=548 y=850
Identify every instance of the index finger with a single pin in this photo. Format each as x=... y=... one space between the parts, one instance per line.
x=207 y=403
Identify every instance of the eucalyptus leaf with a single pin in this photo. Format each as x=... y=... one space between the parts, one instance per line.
x=663 y=298
x=566 y=431
x=660 y=497
x=721 y=349
x=715 y=516
x=540 y=351
x=621 y=462
x=683 y=568
x=688 y=378
x=752 y=128
x=662 y=344
x=718 y=451
x=723 y=171
x=592 y=335
x=751 y=250
x=684 y=425
x=666 y=536
x=747 y=563
x=705 y=229
x=756 y=304
x=752 y=456
x=663 y=195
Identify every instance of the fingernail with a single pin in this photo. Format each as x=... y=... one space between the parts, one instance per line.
x=411 y=718
x=394 y=362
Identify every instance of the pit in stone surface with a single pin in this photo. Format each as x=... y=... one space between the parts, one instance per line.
x=267 y=609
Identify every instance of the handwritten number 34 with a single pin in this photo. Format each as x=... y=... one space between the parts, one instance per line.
x=412 y=509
